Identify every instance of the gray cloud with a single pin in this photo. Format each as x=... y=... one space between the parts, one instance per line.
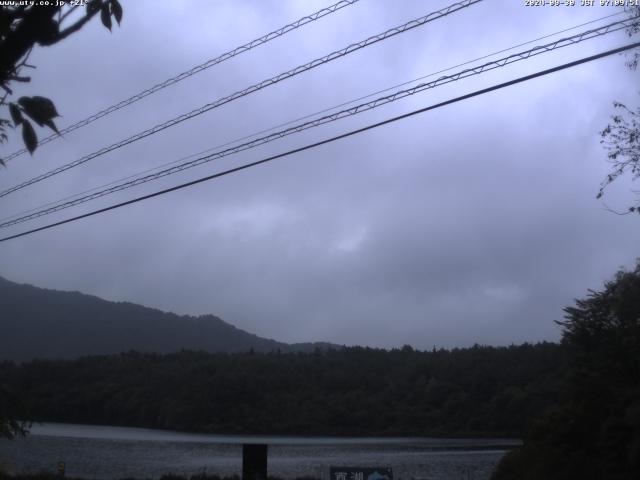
x=472 y=223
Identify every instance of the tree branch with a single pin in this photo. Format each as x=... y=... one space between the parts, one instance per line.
x=22 y=39
x=73 y=28
x=16 y=78
x=611 y=210
x=66 y=14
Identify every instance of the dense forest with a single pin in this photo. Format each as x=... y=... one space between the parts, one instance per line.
x=576 y=404
x=593 y=431
x=485 y=391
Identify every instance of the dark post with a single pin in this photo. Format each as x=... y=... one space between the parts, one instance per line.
x=254 y=462
x=60 y=467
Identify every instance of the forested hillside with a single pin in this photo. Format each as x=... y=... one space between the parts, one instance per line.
x=355 y=391
x=42 y=323
x=593 y=431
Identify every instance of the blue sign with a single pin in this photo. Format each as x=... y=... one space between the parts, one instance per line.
x=360 y=473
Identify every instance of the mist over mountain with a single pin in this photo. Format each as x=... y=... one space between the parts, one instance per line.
x=42 y=323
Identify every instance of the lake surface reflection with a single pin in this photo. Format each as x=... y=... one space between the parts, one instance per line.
x=102 y=452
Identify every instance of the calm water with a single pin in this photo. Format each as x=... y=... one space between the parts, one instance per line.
x=115 y=452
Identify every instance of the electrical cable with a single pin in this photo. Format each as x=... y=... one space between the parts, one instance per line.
x=331 y=139
x=289 y=122
x=580 y=37
x=197 y=69
x=298 y=119
x=254 y=88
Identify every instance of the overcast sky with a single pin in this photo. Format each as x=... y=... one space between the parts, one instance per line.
x=472 y=223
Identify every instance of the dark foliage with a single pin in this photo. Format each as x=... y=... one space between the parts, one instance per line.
x=23 y=26
x=9 y=402
x=594 y=431
x=484 y=391
x=53 y=476
x=621 y=137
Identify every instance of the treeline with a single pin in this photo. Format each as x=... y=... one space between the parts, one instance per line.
x=478 y=391
x=593 y=431
x=170 y=476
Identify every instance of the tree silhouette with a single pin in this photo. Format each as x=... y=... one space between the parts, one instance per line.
x=10 y=408
x=621 y=137
x=593 y=431
x=22 y=27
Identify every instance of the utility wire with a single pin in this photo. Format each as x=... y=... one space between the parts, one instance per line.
x=254 y=88
x=197 y=69
x=589 y=34
x=387 y=89
x=290 y=122
x=331 y=139
x=311 y=115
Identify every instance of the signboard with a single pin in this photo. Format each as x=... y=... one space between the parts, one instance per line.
x=360 y=473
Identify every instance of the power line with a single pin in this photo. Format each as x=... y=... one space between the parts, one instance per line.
x=197 y=69
x=331 y=139
x=254 y=88
x=580 y=37
x=408 y=82
x=298 y=119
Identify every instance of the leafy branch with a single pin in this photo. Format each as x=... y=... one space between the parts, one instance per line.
x=21 y=28
x=621 y=137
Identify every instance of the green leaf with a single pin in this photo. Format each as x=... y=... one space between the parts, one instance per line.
x=116 y=10
x=29 y=136
x=40 y=109
x=105 y=16
x=93 y=6
x=52 y=126
x=5 y=22
x=16 y=114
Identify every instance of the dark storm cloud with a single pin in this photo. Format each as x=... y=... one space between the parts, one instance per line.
x=473 y=223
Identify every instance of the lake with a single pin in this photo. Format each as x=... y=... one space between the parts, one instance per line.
x=102 y=452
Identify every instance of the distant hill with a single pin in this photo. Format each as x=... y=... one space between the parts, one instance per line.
x=42 y=323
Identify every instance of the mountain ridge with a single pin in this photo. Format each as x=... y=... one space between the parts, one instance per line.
x=46 y=323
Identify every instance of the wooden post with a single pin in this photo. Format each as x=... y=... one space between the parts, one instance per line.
x=254 y=462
